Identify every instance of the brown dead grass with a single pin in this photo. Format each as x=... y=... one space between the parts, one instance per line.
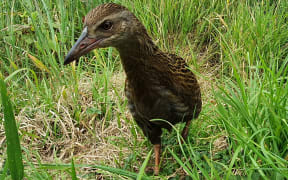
x=87 y=141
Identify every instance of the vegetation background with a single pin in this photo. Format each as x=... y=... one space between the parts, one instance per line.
x=237 y=48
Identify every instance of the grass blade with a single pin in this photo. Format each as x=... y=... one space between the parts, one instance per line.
x=142 y=169
x=38 y=63
x=15 y=163
x=112 y=170
x=73 y=171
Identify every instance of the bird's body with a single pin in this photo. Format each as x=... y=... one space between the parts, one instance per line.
x=161 y=89
x=158 y=85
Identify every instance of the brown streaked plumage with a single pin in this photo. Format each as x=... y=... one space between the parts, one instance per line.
x=158 y=85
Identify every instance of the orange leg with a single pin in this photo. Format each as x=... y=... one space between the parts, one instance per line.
x=186 y=130
x=157 y=150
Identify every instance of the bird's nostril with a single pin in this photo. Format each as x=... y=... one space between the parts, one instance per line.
x=82 y=46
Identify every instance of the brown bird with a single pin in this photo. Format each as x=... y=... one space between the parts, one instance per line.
x=158 y=85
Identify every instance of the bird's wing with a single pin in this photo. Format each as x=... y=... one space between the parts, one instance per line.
x=183 y=85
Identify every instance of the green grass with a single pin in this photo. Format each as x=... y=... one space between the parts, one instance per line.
x=238 y=49
x=14 y=155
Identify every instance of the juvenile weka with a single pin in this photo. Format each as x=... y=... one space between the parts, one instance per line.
x=158 y=85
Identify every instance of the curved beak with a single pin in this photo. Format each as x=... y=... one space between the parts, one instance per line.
x=82 y=46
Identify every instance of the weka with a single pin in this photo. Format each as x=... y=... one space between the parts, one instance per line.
x=158 y=85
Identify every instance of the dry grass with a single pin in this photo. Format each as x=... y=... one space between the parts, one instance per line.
x=88 y=141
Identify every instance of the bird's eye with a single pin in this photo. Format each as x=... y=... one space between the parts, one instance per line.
x=106 y=25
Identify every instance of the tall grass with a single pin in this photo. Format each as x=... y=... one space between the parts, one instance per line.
x=14 y=155
x=252 y=103
x=241 y=45
x=253 y=111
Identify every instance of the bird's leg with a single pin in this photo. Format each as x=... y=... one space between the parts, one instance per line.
x=186 y=130
x=157 y=149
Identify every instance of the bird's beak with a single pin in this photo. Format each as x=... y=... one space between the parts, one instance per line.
x=83 y=45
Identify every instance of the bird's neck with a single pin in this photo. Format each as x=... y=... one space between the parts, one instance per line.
x=140 y=45
x=137 y=53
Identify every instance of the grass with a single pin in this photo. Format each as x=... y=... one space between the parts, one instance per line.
x=14 y=156
x=238 y=49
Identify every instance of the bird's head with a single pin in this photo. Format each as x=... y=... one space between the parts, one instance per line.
x=108 y=25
